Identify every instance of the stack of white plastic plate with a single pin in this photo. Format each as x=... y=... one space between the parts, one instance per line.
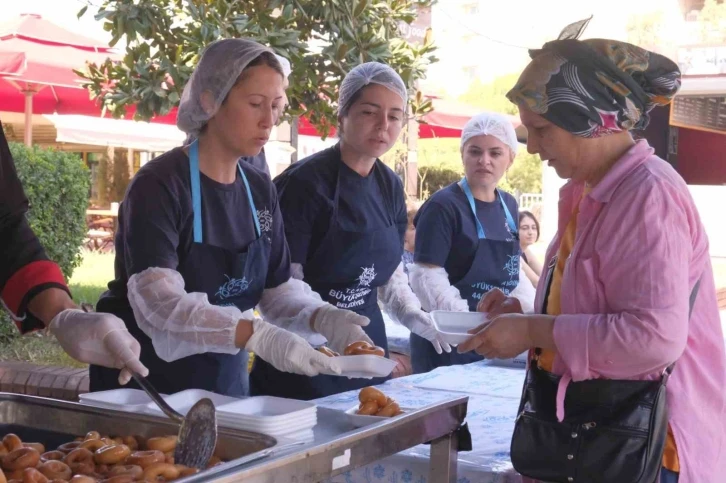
x=274 y=416
x=183 y=401
x=130 y=400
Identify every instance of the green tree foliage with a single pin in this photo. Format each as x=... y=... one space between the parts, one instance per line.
x=439 y=165
x=713 y=22
x=492 y=96
x=323 y=39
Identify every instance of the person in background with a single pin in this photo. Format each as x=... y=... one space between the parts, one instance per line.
x=259 y=161
x=345 y=220
x=618 y=303
x=467 y=239
x=35 y=293
x=200 y=244
x=409 y=238
x=528 y=236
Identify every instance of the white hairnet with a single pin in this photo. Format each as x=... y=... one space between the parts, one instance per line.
x=491 y=124
x=285 y=64
x=219 y=68
x=369 y=73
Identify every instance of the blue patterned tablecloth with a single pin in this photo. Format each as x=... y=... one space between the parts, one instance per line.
x=493 y=400
x=493 y=389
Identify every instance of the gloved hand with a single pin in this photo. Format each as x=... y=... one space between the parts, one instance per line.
x=100 y=339
x=288 y=352
x=341 y=327
x=420 y=323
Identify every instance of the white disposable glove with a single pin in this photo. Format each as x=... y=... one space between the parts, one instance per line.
x=296 y=271
x=341 y=327
x=434 y=290
x=291 y=306
x=420 y=323
x=100 y=339
x=288 y=352
x=180 y=323
x=402 y=305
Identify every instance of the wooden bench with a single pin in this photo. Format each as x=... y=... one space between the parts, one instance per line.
x=99 y=239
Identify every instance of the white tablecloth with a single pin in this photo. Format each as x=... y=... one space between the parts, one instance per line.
x=493 y=401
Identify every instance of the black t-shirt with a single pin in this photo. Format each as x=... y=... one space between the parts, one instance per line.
x=307 y=191
x=259 y=161
x=446 y=233
x=156 y=219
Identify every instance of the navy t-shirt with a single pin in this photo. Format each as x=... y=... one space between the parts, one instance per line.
x=446 y=231
x=307 y=190
x=156 y=219
x=259 y=161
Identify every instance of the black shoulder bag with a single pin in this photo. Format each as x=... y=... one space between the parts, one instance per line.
x=614 y=431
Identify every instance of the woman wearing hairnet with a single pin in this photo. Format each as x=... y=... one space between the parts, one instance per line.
x=466 y=235
x=615 y=302
x=260 y=160
x=345 y=219
x=201 y=243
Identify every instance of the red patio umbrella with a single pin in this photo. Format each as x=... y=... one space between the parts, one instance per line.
x=37 y=59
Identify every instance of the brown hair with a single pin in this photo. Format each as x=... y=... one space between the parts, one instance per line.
x=411 y=211
x=527 y=214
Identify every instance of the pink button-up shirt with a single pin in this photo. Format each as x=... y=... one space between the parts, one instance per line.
x=639 y=249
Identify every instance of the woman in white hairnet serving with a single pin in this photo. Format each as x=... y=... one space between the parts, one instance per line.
x=201 y=243
x=260 y=160
x=345 y=220
x=467 y=239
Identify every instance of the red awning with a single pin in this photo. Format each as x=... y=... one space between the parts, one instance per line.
x=37 y=59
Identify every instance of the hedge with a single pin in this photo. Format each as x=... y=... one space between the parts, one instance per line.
x=57 y=186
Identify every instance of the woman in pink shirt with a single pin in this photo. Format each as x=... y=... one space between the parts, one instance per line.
x=630 y=247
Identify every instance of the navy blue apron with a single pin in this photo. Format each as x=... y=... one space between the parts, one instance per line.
x=346 y=270
x=495 y=265
x=228 y=278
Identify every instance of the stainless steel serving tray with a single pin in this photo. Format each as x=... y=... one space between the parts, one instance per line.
x=337 y=446
x=54 y=422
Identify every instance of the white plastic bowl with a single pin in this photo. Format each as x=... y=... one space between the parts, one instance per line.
x=454 y=327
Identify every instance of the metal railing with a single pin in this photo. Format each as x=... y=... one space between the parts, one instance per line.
x=529 y=200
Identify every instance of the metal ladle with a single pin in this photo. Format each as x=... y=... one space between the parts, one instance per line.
x=197 y=432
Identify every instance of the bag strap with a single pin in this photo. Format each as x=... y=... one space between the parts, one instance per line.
x=691 y=302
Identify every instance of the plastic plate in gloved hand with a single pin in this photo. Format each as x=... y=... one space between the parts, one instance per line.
x=364 y=366
x=454 y=327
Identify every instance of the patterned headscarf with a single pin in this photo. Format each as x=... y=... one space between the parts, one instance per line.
x=595 y=87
